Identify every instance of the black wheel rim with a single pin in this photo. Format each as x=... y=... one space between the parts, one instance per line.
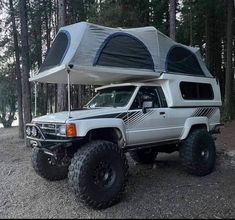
x=51 y=161
x=104 y=175
x=204 y=153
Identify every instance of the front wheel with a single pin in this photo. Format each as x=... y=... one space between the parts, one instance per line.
x=47 y=166
x=198 y=153
x=98 y=174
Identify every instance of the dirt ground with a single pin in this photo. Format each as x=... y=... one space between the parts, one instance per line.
x=226 y=140
x=162 y=190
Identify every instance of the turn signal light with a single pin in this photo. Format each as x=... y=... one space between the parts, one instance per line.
x=71 y=130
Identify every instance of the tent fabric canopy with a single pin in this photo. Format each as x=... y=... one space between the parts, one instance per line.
x=123 y=50
x=57 y=51
x=99 y=55
x=182 y=60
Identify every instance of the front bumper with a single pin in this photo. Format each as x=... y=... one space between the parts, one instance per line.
x=40 y=139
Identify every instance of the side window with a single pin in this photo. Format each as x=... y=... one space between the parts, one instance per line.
x=146 y=94
x=196 y=91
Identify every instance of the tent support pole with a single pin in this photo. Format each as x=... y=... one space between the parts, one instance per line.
x=69 y=101
x=35 y=99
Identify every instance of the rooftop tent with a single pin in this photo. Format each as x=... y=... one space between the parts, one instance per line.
x=100 y=55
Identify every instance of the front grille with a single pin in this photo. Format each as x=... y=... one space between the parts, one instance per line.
x=49 y=129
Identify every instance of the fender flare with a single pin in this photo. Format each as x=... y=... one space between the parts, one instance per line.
x=190 y=122
x=83 y=127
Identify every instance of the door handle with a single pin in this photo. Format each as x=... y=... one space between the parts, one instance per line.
x=162 y=113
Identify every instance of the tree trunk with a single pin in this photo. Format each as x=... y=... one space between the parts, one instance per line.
x=190 y=27
x=75 y=97
x=172 y=12
x=25 y=63
x=209 y=54
x=229 y=71
x=18 y=73
x=79 y=96
x=47 y=4
x=61 y=88
x=37 y=29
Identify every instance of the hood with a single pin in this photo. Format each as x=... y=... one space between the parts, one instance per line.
x=62 y=117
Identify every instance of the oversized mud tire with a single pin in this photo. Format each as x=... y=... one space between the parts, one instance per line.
x=98 y=173
x=198 y=153
x=45 y=167
x=144 y=156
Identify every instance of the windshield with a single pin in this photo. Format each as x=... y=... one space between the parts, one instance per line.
x=112 y=97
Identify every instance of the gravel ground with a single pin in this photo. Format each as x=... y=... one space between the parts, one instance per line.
x=162 y=190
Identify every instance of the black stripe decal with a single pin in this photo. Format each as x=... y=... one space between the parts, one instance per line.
x=207 y=112
x=203 y=112
x=213 y=110
x=196 y=112
x=99 y=116
x=122 y=115
x=214 y=106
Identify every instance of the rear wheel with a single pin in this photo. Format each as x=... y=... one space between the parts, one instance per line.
x=48 y=167
x=198 y=153
x=98 y=174
x=144 y=156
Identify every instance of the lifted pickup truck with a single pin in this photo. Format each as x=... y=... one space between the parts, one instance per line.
x=168 y=114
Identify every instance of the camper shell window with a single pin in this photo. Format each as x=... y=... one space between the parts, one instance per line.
x=182 y=60
x=124 y=50
x=57 y=52
x=196 y=91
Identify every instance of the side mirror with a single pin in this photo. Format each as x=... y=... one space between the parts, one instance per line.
x=146 y=105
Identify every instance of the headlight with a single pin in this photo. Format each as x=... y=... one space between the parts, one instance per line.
x=28 y=131
x=68 y=130
x=62 y=130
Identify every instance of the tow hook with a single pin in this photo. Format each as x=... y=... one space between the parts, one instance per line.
x=34 y=143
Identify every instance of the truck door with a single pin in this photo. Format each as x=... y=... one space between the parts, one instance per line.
x=153 y=124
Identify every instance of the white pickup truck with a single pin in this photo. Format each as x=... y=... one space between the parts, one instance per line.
x=168 y=114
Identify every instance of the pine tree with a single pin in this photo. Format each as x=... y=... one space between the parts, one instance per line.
x=229 y=72
x=61 y=88
x=25 y=62
x=17 y=70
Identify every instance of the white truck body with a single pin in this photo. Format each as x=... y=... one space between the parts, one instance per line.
x=169 y=122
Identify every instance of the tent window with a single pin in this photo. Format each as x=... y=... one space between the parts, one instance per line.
x=182 y=60
x=57 y=51
x=124 y=50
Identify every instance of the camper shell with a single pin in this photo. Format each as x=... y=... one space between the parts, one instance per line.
x=155 y=95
